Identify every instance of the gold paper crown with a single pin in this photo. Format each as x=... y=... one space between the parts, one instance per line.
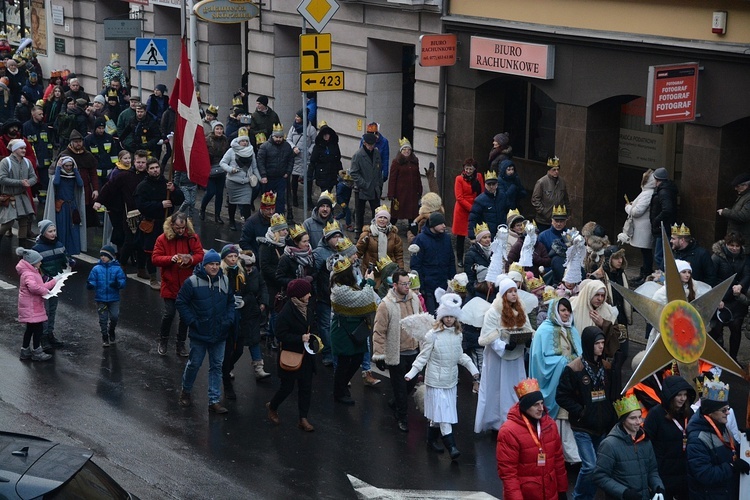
x=549 y=294
x=559 y=211
x=344 y=244
x=682 y=230
x=553 y=162
x=278 y=127
x=490 y=176
x=322 y=123
x=114 y=57
x=480 y=228
x=403 y=142
x=341 y=265
x=329 y=195
x=526 y=386
x=626 y=405
x=296 y=231
x=331 y=227
x=517 y=268
x=715 y=390
x=214 y=110
x=513 y=213
x=237 y=100
x=278 y=219
x=534 y=283
x=268 y=198
x=345 y=176
x=414 y=283
x=243 y=132
x=384 y=261
x=381 y=208
x=456 y=286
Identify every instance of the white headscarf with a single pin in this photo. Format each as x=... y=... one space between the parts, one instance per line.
x=582 y=305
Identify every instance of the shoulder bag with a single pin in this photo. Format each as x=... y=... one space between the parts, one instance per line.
x=360 y=333
x=290 y=361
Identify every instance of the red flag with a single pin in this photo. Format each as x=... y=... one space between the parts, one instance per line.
x=190 y=150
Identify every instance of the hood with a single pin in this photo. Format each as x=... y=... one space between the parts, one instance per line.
x=613 y=252
x=314 y=215
x=325 y=129
x=671 y=386
x=24 y=267
x=588 y=337
x=169 y=232
x=719 y=249
x=650 y=183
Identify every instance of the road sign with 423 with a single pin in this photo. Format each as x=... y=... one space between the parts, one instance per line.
x=321 y=81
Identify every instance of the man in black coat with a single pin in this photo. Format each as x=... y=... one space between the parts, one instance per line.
x=142 y=133
x=275 y=163
x=663 y=210
x=256 y=226
x=685 y=247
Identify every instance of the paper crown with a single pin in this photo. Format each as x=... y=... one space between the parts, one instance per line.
x=268 y=198
x=534 y=283
x=114 y=56
x=372 y=127
x=243 y=132
x=331 y=228
x=404 y=142
x=382 y=262
x=491 y=175
x=553 y=162
x=458 y=283
x=296 y=231
x=278 y=127
x=559 y=211
x=322 y=123
x=237 y=100
x=328 y=195
x=715 y=390
x=214 y=110
x=626 y=405
x=480 y=228
x=414 y=283
x=517 y=267
x=382 y=208
x=278 y=220
x=345 y=176
x=526 y=386
x=345 y=246
x=341 y=264
x=681 y=230
x=513 y=213
x=548 y=294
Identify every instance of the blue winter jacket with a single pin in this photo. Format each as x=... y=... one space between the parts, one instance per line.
x=207 y=306
x=488 y=208
x=435 y=261
x=107 y=279
x=709 y=462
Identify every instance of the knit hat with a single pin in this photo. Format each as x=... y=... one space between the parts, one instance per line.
x=216 y=123
x=44 y=224
x=528 y=393
x=262 y=100
x=300 y=113
x=161 y=87
x=480 y=231
x=504 y=285
x=16 y=144
x=82 y=103
x=383 y=212
x=436 y=218
x=450 y=305
x=332 y=229
x=229 y=249
x=683 y=265
x=100 y=99
x=211 y=256
x=326 y=198
x=404 y=143
x=100 y=122
x=108 y=251
x=30 y=256
x=298 y=288
x=278 y=130
x=369 y=138
x=661 y=174
x=502 y=139
x=278 y=222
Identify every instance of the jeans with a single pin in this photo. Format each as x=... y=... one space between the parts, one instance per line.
x=51 y=306
x=346 y=215
x=323 y=313
x=215 y=187
x=198 y=351
x=188 y=206
x=170 y=310
x=109 y=312
x=366 y=357
x=658 y=253
x=587 y=445
x=402 y=388
x=278 y=186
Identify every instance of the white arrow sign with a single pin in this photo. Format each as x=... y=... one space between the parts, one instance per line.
x=684 y=113
x=366 y=491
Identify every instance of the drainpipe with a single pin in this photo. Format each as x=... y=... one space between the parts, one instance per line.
x=440 y=167
x=193 y=48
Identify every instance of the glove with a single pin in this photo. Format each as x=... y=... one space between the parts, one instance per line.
x=72 y=263
x=114 y=285
x=631 y=494
x=741 y=467
x=562 y=495
x=658 y=490
x=380 y=364
x=510 y=346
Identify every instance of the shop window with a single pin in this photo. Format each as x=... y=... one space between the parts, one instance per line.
x=529 y=117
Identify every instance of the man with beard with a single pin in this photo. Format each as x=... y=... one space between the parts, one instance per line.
x=87 y=164
x=104 y=148
x=322 y=214
x=155 y=197
x=261 y=124
x=142 y=133
x=117 y=90
x=38 y=136
x=275 y=163
x=118 y=196
x=257 y=224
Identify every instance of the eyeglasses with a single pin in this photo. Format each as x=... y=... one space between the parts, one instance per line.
x=725 y=410
x=403 y=284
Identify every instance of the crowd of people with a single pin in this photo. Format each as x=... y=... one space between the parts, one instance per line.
x=533 y=315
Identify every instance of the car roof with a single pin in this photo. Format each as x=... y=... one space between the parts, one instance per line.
x=37 y=465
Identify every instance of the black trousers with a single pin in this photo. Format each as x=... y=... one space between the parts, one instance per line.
x=346 y=367
x=402 y=388
x=32 y=330
x=360 y=212
x=170 y=310
x=232 y=353
x=303 y=378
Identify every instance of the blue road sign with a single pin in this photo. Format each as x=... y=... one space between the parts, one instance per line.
x=151 y=54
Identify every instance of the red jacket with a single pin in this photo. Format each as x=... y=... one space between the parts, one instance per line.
x=517 y=456
x=464 y=200
x=173 y=274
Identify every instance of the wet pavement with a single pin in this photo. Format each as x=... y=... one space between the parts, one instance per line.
x=122 y=403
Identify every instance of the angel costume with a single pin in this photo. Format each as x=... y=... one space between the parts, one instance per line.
x=501 y=370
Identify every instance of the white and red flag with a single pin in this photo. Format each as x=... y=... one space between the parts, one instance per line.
x=190 y=150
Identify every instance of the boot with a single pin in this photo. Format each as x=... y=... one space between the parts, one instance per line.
x=369 y=380
x=181 y=349
x=25 y=353
x=185 y=399
x=38 y=354
x=273 y=415
x=218 y=219
x=260 y=373
x=305 y=425
x=203 y=214
x=229 y=390
x=143 y=274
x=450 y=444
x=162 y=347
x=154 y=282
x=217 y=408
x=55 y=342
x=433 y=433
x=232 y=225
x=105 y=340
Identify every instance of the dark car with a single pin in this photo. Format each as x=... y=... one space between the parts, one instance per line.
x=33 y=467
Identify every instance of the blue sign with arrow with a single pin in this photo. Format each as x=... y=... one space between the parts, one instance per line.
x=151 y=54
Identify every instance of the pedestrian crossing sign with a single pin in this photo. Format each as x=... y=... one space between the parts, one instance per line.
x=151 y=54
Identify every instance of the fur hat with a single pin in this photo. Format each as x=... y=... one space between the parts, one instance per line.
x=450 y=305
x=30 y=256
x=430 y=202
x=298 y=288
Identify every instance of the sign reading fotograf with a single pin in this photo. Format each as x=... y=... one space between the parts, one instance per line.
x=513 y=58
x=672 y=91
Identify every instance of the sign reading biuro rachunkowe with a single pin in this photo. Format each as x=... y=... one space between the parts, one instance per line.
x=513 y=58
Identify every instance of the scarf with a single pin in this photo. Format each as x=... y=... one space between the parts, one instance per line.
x=301 y=306
x=65 y=174
x=561 y=329
x=271 y=239
x=476 y=188
x=486 y=249
x=303 y=258
x=120 y=166
x=297 y=127
x=597 y=378
x=377 y=231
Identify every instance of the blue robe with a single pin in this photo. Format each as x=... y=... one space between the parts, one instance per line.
x=70 y=190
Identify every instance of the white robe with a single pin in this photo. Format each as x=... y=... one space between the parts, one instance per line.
x=496 y=393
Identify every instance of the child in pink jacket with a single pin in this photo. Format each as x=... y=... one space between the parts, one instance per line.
x=31 y=304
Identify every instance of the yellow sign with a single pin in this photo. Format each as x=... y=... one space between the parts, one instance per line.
x=315 y=52
x=321 y=81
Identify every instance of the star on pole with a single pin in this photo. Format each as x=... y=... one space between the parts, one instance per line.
x=681 y=325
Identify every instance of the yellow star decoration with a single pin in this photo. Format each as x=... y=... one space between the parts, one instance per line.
x=682 y=326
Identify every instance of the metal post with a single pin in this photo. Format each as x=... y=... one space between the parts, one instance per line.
x=304 y=143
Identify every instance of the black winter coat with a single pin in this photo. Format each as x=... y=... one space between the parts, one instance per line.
x=288 y=270
x=255 y=227
x=728 y=264
x=269 y=262
x=663 y=207
x=291 y=325
x=148 y=199
x=710 y=472
x=253 y=291
x=325 y=160
x=275 y=160
x=700 y=260
x=490 y=209
x=666 y=437
x=474 y=257
x=143 y=134
x=513 y=189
